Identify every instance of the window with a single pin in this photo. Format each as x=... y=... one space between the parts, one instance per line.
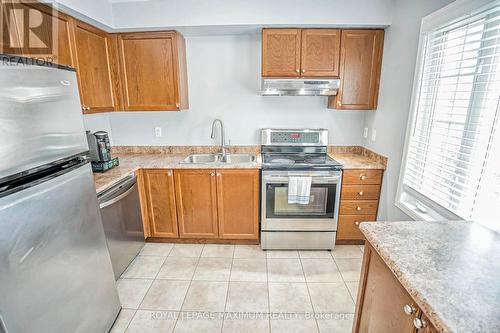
x=451 y=168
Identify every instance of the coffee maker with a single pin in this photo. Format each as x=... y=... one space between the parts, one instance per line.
x=100 y=151
x=100 y=148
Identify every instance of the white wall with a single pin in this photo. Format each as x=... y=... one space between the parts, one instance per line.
x=390 y=120
x=97 y=12
x=194 y=13
x=224 y=82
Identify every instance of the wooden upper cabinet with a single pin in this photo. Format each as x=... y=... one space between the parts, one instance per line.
x=11 y=41
x=53 y=31
x=281 y=52
x=381 y=300
x=95 y=66
x=153 y=71
x=360 y=64
x=196 y=199
x=160 y=202
x=320 y=52
x=238 y=204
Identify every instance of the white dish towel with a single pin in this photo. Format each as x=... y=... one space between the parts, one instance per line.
x=299 y=190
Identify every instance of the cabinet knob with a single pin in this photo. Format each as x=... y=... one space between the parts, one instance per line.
x=176 y=105
x=409 y=310
x=212 y=174
x=297 y=70
x=219 y=175
x=170 y=173
x=361 y=193
x=303 y=71
x=362 y=177
x=356 y=223
x=358 y=208
x=419 y=323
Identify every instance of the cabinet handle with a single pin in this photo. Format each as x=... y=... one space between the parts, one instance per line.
x=358 y=208
x=212 y=174
x=419 y=323
x=361 y=193
x=409 y=310
x=362 y=177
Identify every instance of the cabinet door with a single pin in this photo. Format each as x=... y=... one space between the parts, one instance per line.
x=360 y=63
x=238 y=204
x=281 y=52
x=320 y=52
x=348 y=229
x=160 y=202
x=11 y=41
x=94 y=64
x=148 y=65
x=53 y=31
x=381 y=300
x=196 y=199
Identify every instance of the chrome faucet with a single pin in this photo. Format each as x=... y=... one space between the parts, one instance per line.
x=222 y=135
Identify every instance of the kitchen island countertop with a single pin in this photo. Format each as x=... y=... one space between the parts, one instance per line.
x=451 y=269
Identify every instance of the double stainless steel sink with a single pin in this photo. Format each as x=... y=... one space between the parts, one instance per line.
x=219 y=158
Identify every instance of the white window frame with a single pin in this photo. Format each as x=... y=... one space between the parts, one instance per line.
x=412 y=203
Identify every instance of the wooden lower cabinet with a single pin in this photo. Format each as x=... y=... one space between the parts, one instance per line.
x=359 y=201
x=238 y=204
x=380 y=307
x=159 y=193
x=201 y=204
x=196 y=197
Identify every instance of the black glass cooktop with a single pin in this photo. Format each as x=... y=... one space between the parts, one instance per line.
x=293 y=161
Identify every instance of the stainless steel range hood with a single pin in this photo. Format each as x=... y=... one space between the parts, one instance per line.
x=299 y=87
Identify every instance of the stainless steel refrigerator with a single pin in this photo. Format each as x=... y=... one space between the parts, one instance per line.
x=55 y=269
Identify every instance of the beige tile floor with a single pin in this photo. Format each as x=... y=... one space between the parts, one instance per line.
x=237 y=289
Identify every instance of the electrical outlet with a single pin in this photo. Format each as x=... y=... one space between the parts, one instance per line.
x=374 y=134
x=158 y=133
x=365 y=133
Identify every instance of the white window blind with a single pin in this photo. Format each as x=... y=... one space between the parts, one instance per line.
x=452 y=166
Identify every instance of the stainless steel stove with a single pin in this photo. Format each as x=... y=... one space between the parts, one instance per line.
x=299 y=153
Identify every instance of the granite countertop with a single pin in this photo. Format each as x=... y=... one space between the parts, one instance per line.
x=357 y=161
x=451 y=269
x=129 y=163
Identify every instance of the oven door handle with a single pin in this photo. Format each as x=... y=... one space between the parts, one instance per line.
x=315 y=180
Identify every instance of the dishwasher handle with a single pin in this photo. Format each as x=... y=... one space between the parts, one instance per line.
x=116 y=195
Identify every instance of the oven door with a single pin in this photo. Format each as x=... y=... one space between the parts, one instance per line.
x=320 y=214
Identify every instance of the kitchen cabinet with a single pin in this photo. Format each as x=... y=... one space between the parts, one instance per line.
x=359 y=201
x=153 y=71
x=300 y=52
x=44 y=32
x=281 y=52
x=196 y=199
x=238 y=204
x=383 y=305
x=360 y=65
x=96 y=68
x=320 y=52
x=159 y=199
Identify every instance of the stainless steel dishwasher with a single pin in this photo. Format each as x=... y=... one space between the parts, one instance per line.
x=121 y=217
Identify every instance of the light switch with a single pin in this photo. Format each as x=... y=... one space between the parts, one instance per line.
x=158 y=132
x=374 y=134
x=365 y=133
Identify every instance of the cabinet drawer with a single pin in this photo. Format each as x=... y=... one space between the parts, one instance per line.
x=349 y=226
x=360 y=192
x=358 y=207
x=358 y=177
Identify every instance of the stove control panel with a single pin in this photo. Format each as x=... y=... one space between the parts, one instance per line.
x=305 y=137
x=295 y=137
